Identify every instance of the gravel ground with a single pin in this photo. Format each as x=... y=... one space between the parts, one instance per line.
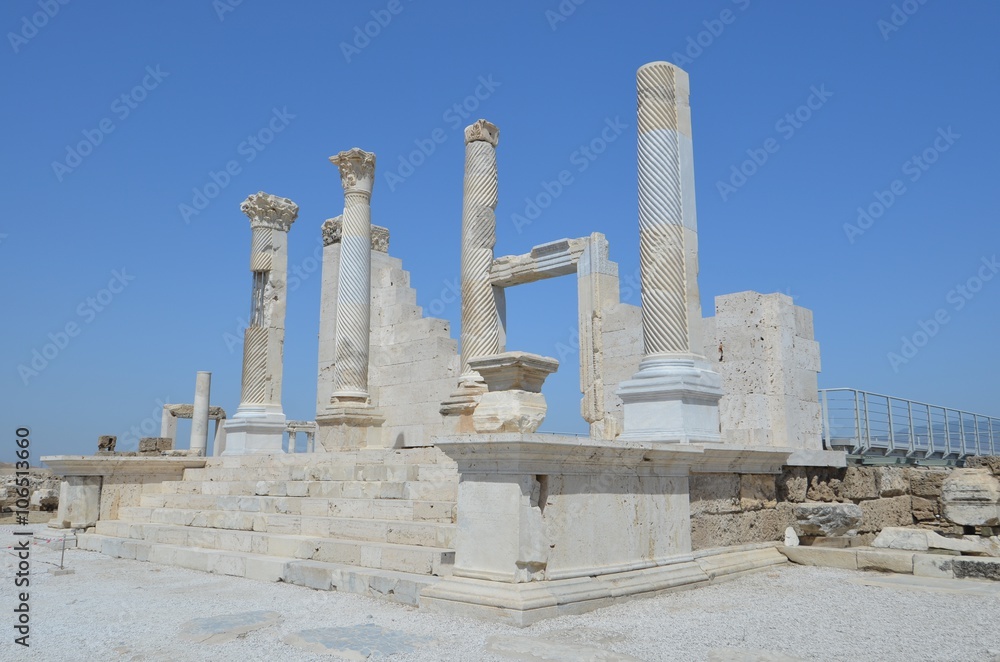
x=113 y=609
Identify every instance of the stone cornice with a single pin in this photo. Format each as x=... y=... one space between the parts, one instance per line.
x=270 y=211
x=333 y=227
x=90 y=465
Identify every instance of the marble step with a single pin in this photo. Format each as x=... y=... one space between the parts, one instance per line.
x=366 y=508
x=401 y=587
x=423 y=455
x=429 y=534
x=421 y=490
x=367 y=554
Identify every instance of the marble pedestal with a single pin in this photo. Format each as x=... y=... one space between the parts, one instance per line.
x=255 y=432
x=674 y=400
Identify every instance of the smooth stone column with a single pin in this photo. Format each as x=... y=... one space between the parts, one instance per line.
x=481 y=328
x=199 y=415
x=675 y=395
x=259 y=423
x=168 y=424
x=350 y=420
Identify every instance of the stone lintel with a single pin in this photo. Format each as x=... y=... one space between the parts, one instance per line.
x=187 y=411
x=549 y=260
x=86 y=465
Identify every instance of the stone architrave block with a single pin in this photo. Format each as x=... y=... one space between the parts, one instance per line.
x=971 y=497
x=106 y=443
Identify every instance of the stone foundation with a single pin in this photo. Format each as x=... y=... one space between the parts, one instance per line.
x=736 y=509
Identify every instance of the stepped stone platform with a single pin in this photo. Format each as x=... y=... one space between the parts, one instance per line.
x=379 y=522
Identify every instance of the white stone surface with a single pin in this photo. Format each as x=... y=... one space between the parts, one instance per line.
x=921 y=540
x=826 y=519
x=791 y=538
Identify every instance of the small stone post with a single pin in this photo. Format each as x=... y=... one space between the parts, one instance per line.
x=675 y=395
x=199 y=417
x=259 y=423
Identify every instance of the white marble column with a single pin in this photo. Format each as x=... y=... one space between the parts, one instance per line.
x=480 y=321
x=350 y=371
x=674 y=397
x=199 y=414
x=481 y=327
x=259 y=423
x=350 y=420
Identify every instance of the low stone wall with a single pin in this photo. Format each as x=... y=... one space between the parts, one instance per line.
x=43 y=489
x=735 y=509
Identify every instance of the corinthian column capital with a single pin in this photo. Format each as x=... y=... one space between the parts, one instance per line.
x=484 y=131
x=357 y=170
x=269 y=211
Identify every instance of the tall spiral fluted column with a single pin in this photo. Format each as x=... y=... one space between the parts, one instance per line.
x=350 y=421
x=480 y=321
x=259 y=423
x=350 y=371
x=481 y=327
x=674 y=397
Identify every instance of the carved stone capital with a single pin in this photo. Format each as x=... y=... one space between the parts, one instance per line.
x=270 y=211
x=482 y=130
x=357 y=170
x=333 y=230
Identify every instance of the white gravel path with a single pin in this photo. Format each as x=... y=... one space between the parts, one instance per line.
x=113 y=609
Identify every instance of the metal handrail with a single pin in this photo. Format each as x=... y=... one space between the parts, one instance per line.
x=867 y=423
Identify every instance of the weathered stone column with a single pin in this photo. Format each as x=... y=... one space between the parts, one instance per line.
x=674 y=397
x=259 y=423
x=481 y=329
x=199 y=415
x=350 y=409
x=350 y=380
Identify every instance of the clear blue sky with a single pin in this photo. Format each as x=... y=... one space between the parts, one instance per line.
x=211 y=83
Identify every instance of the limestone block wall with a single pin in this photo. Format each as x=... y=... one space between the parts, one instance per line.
x=414 y=362
x=763 y=347
x=735 y=509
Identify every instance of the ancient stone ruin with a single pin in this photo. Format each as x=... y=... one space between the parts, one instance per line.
x=424 y=478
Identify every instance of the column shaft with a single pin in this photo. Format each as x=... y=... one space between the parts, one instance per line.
x=353 y=301
x=480 y=320
x=199 y=415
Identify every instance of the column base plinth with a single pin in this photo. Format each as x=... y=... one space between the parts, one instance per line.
x=252 y=432
x=672 y=400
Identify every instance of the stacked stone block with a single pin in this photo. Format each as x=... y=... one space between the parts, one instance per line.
x=414 y=362
x=763 y=346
